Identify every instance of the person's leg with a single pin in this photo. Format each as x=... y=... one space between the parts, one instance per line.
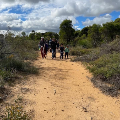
x=45 y=53
x=41 y=51
x=60 y=55
x=65 y=55
x=55 y=53
x=52 y=53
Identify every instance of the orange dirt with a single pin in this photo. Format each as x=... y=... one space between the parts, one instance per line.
x=63 y=91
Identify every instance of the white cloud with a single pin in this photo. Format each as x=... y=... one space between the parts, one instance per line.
x=45 y=23
x=77 y=28
x=98 y=20
x=46 y=15
x=87 y=7
x=8 y=17
x=23 y=1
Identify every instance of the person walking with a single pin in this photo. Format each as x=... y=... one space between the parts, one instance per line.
x=46 y=48
x=66 y=52
x=61 y=51
x=42 y=44
x=53 y=48
x=49 y=44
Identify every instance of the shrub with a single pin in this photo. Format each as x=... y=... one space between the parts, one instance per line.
x=106 y=66
x=78 y=51
x=15 y=112
x=85 y=43
x=10 y=66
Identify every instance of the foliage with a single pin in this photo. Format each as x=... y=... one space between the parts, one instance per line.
x=23 y=34
x=32 y=36
x=94 y=35
x=84 y=31
x=97 y=34
x=85 y=43
x=51 y=35
x=15 y=112
x=106 y=66
x=15 y=51
x=104 y=63
x=28 y=47
x=10 y=66
x=78 y=51
x=38 y=36
x=77 y=33
x=66 y=31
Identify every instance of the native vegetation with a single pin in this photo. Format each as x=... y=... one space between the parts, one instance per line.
x=97 y=46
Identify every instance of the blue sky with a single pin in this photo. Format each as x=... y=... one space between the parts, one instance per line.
x=114 y=15
x=46 y=15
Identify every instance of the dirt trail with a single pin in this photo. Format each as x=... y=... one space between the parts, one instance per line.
x=63 y=91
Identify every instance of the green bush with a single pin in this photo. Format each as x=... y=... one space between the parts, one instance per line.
x=15 y=51
x=85 y=43
x=22 y=48
x=78 y=51
x=10 y=66
x=107 y=65
x=5 y=74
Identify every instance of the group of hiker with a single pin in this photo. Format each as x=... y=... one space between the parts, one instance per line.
x=52 y=45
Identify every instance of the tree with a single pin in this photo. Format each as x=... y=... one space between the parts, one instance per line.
x=49 y=35
x=108 y=31
x=23 y=34
x=94 y=35
x=38 y=36
x=77 y=33
x=117 y=20
x=66 y=31
x=84 y=31
x=32 y=35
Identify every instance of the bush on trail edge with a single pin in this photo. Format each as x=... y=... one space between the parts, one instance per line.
x=104 y=63
x=15 y=112
x=9 y=67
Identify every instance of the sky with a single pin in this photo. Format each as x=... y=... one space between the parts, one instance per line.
x=47 y=15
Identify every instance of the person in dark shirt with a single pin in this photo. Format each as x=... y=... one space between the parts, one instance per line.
x=42 y=42
x=61 y=51
x=49 y=43
x=57 y=45
x=53 y=48
x=46 y=48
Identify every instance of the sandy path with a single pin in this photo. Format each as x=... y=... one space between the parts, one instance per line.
x=75 y=99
